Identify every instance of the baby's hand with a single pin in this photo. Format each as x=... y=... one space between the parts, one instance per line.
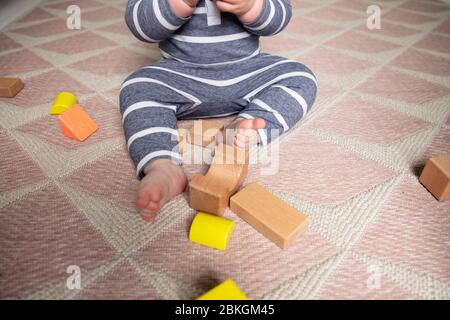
x=191 y=3
x=246 y=10
x=183 y=8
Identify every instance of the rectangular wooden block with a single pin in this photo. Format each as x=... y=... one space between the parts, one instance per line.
x=203 y=132
x=9 y=87
x=436 y=176
x=268 y=214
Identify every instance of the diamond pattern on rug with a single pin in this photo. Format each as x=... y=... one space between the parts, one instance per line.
x=302 y=26
x=83 y=4
x=103 y=14
x=367 y=121
x=406 y=233
x=71 y=45
x=333 y=14
x=444 y=27
x=122 y=282
x=416 y=60
x=245 y=260
x=43 y=88
x=41 y=236
x=351 y=165
x=21 y=61
x=116 y=61
x=325 y=61
x=355 y=280
x=434 y=42
x=119 y=182
x=36 y=15
x=100 y=110
x=117 y=27
x=12 y=162
x=390 y=29
x=360 y=43
x=6 y=43
x=408 y=17
x=398 y=86
x=45 y=29
x=425 y=7
x=336 y=173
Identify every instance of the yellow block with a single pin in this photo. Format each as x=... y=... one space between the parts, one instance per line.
x=211 y=230
x=63 y=101
x=227 y=290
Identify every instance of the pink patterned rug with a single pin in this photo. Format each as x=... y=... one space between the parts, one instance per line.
x=351 y=165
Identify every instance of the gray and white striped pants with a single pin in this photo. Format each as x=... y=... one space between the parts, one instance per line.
x=153 y=98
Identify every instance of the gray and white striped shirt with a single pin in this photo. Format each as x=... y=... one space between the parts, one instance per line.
x=207 y=36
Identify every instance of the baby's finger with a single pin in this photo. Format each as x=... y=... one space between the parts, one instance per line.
x=225 y=6
x=227 y=1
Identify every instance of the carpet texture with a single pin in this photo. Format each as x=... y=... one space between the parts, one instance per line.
x=351 y=165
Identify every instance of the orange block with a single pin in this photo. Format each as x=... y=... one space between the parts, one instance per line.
x=76 y=124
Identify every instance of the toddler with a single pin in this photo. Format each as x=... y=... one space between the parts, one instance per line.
x=211 y=67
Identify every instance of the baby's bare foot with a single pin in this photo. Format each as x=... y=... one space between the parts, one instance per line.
x=242 y=133
x=163 y=180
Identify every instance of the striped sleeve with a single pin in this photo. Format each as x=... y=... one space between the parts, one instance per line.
x=273 y=18
x=152 y=20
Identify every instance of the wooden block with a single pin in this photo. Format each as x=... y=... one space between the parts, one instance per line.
x=436 y=176
x=182 y=141
x=10 y=87
x=203 y=132
x=268 y=214
x=76 y=124
x=211 y=193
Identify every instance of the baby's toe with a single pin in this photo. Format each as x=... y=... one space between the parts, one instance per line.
x=148 y=215
x=245 y=124
x=155 y=193
x=150 y=211
x=153 y=206
x=143 y=199
x=259 y=123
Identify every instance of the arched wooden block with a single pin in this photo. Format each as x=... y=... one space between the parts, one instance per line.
x=203 y=132
x=182 y=141
x=211 y=193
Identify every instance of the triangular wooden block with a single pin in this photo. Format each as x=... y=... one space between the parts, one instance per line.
x=76 y=124
x=66 y=131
